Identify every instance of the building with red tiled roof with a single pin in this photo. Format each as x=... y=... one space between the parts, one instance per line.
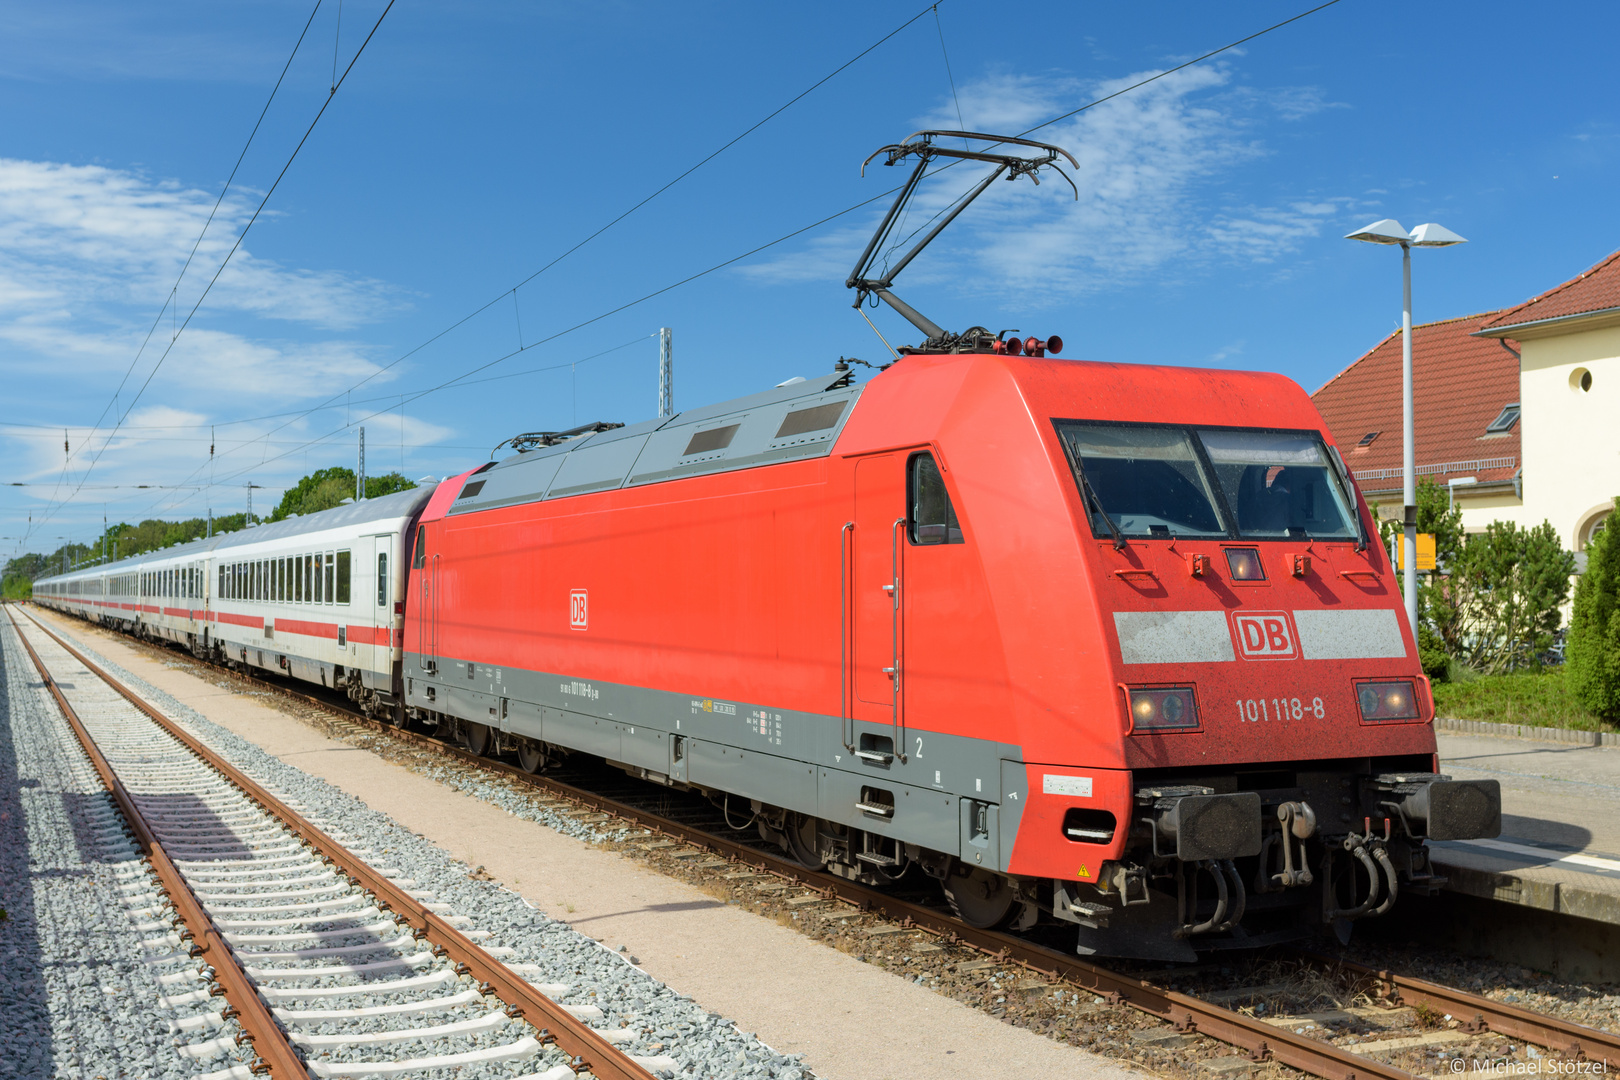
x=1461 y=388
x=1581 y=302
x=1517 y=410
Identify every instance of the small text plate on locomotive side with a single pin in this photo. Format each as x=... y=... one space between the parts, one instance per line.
x=1078 y=786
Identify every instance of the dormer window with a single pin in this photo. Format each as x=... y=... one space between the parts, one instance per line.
x=1504 y=420
x=1367 y=439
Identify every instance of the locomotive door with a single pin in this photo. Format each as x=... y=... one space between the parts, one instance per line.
x=875 y=658
x=427 y=614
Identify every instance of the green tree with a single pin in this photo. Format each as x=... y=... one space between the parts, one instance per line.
x=326 y=488
x=1593 y=648
x=1504 y=593
x=1438 y=628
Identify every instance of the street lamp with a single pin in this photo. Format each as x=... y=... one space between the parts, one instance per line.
x=1390 y=231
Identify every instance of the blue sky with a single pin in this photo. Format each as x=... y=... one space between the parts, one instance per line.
x=471 y=145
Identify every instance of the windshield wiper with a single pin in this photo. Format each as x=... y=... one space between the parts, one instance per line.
x=1091 y=495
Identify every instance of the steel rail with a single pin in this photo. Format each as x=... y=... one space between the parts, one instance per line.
x=1479 y=1014
x=1257 y=1039
x=1186 y=1013
x=555 y=1024
x=275 y=1054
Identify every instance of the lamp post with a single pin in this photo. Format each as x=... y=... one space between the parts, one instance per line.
x=1390 y=231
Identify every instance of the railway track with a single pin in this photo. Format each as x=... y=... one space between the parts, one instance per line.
x=1299 y=1042
x=282 y=938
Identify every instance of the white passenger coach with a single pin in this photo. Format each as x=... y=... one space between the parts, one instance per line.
x=319 y=597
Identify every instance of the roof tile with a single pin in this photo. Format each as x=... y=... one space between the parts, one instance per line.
x=1598 y=289
x=1459 y=385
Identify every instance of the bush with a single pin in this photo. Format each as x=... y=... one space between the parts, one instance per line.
x=1432 y=654
x=1498 y=606
x=1593 y=648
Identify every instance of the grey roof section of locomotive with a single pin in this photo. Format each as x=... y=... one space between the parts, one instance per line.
x=401 y=504
x=658 y=450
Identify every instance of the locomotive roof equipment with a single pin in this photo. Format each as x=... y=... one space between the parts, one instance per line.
x=922 y=146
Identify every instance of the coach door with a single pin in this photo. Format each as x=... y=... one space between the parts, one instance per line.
x=874 y=580
x=376 y=646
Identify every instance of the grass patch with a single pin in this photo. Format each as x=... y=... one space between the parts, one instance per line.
x=1540 y=699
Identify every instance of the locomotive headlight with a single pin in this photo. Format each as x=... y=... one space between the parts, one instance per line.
x=1163 y=709
x=1244 y=564
x=1387 y=700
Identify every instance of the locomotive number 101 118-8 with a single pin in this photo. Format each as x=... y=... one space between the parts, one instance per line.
x=1260 y=710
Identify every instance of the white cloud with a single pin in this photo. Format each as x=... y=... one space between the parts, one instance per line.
x=89 y=234
x=1151 y=164
x=88 y=256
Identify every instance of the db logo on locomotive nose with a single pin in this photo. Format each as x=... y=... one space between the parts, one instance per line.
x=1265 y=635
x=578 y=609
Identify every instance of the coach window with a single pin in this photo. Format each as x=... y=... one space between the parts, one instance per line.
x=933 y=518
x=295 y=579
x=382 y=579
x=343 y=577
x=331 y=566
x=281 y=580
x=314 y=596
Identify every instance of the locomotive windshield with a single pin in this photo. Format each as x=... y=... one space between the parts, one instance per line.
x=1279 y=484
x=1159 y=481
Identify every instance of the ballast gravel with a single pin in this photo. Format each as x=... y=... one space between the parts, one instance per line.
x=76 y=997
x=666 y=1024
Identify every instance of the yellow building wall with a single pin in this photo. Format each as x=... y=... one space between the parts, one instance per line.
x=1570 y=438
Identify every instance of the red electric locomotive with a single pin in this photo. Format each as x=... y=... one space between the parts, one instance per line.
x=1100 y=643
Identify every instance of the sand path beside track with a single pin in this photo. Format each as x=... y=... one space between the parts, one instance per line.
x=850 y=1020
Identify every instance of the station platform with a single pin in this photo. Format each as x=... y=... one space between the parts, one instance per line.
x=1557 y=858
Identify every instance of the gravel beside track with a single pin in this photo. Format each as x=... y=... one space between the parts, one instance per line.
x=79 y=997
x=216 y=834
x=1291 y=995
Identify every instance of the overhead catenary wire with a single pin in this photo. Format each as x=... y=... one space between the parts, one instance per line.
x=588 y=322
x=170 y=304
x=1047 y=123
x=417 y=395
x=801 y=95
x=52 y=508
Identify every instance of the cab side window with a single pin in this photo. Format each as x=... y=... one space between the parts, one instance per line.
x=932 y=517
x=420 y=557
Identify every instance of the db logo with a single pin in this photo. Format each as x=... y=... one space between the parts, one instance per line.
x=577 y=609
x=1265 y=635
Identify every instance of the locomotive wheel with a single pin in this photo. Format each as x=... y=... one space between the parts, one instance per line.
x=978 y=897
x=476 y=738
x=803 y=842
x=531 y=757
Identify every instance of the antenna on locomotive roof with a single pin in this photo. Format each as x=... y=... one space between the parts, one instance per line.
x=921 y=145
